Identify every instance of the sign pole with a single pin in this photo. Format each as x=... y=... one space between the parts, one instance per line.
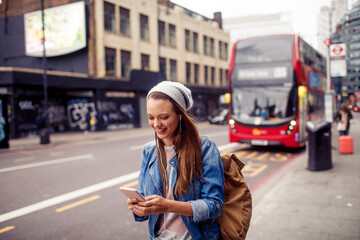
x=44 y=133
x=329 y=95
x=328 y=42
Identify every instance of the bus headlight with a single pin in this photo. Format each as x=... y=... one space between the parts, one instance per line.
x=291 y=127
x=232 y=124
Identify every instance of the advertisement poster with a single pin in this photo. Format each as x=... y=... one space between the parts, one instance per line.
x=64 y=30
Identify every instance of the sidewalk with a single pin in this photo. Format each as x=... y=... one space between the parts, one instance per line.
x=316 y=205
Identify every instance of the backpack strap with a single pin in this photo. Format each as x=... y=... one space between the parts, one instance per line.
x=226 y=159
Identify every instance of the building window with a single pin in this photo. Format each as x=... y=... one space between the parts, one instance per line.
x=145 y=62
x=196 y=73
x=212 y=47
x=125 y=64
x=110 y=58
x=221 y=76
x=162 y=66
x=195 y=42
x=109 y=16
x=161 y=26
x=144 y=27
x=226 y=77
x=226 y=50
x=172 y=35
x=220 y=50
x=187 y=40
x=205 y=45
x=125 y=21
x=212 y=76
x=173 y=70
x=188 y=72
x=206 y=75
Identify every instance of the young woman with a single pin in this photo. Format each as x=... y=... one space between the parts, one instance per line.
x=181 y=174
x=343 y=116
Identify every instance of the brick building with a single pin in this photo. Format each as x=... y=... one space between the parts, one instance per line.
x=102 y=66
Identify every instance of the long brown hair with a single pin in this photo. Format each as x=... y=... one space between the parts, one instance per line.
x=188 y=146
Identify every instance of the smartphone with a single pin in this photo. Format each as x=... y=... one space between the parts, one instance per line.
x=132 y=193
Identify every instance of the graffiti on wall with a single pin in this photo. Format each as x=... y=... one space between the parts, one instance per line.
x=73 y=114
x=114 y=114
x=80 y=112
x=57 y=117
x=29 y=117
x=2 y=122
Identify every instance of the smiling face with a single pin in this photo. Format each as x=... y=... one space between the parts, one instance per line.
x=163 y=119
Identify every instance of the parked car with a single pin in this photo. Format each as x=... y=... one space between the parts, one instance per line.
x=219 y=116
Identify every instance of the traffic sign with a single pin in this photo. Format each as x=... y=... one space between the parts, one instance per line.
x=338 y=50
x=327 y=42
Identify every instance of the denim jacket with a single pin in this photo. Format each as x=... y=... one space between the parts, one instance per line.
x=206 y=198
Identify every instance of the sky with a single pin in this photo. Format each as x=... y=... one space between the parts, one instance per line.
x=304 y=12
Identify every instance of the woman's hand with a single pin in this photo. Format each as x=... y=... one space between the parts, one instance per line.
x=157 y=205
x=132 y=203
x=154 y=205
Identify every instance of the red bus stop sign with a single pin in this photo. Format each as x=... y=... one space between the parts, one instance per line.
x=327 y=42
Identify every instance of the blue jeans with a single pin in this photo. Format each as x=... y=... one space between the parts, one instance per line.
x=342 y=133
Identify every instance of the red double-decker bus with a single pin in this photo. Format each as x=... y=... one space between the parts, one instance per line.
x=277 y=83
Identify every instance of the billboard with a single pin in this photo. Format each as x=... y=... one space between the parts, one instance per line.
x=64 y=30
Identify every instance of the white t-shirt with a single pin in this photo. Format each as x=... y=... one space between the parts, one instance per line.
x=170 y=226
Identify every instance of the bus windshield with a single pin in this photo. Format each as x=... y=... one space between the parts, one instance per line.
x=263 y=105
x=264 y=50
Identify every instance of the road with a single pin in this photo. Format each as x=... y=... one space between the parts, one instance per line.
x=70 y=191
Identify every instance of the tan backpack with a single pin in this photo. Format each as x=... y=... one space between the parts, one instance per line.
x=235 y=218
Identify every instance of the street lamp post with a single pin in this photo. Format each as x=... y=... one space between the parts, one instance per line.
x=44 y=133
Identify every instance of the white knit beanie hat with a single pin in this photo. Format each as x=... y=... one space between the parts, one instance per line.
x=176 y=91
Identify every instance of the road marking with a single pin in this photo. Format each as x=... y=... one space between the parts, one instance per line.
x=24 y=159
x=68 y=196
x=131 y=184
x=78 y=203
x=279 y=157
x=253 y=169
x=249 y=156
x=6 y=229
x=138 y=147
x=263 y=156
x=61 y=160
x=56 y=154
x=226 y=146
x=217 y=134
x=241 y=153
